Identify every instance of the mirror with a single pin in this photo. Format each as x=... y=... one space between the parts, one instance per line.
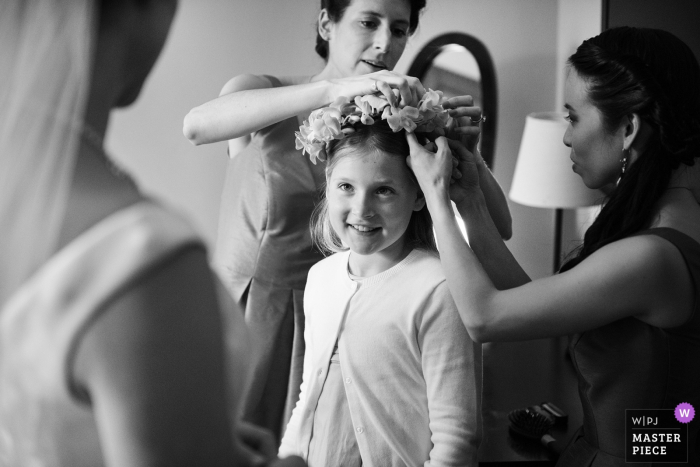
x=459 y=64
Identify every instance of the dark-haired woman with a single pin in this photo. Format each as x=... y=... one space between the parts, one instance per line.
x=629 y=296
x=264 y=249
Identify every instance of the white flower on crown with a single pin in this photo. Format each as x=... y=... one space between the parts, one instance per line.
x=335 y=121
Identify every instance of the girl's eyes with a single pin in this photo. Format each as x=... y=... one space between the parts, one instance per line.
x=382 y=191
x=569 y=119
x=368 y=24
x=400 y=32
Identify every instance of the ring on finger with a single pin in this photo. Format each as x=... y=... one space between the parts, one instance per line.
x=374 y=86
x=481 y=119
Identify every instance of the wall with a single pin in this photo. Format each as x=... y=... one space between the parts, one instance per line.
x=210 y=42
x=576 y=22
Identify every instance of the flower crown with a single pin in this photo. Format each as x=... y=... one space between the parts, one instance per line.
x=334 y=122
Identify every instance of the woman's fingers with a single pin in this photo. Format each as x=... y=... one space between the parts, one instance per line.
x=419 y=90
x=443 y=146
x=258 y=439
x=385 y=89
x=413 y=145
x=410 y=88
x=458 y=101
x=466 y=130
x=462 y=109
x=462 y=112
x=430 y=167
x=459 y=150
x=467 y=118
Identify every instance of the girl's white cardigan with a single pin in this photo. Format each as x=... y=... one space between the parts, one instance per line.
x=412 y=374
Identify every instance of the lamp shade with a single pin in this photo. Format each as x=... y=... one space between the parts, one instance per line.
x=543 y=175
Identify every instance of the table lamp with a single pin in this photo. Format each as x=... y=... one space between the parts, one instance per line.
x=543 y=175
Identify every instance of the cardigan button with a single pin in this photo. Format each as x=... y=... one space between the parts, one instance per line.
x=320 y=372
x=360 y=429
x=348 y=380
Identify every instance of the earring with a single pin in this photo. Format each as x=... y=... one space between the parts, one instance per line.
x=624 y=161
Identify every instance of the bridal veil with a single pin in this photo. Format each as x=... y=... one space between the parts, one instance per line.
x=45 y=57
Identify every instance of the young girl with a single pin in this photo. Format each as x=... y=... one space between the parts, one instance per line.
x=263 y=247
x=391 y=377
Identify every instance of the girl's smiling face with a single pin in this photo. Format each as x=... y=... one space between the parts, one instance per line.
x=371 y=198
x=595 y=152
x=370 y=36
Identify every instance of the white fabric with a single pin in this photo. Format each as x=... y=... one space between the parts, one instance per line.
x=41 y=421
x=412 y=374
x=45 y=50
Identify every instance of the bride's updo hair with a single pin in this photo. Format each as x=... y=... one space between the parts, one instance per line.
x=336 y=10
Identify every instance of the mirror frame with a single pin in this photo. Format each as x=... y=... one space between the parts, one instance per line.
x=489 y=87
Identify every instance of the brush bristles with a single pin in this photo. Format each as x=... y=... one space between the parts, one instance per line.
x=529 y=423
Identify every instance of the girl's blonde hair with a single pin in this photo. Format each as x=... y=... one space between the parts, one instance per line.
x=381 y=140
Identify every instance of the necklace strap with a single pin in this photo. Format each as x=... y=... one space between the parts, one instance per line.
x=96 y=141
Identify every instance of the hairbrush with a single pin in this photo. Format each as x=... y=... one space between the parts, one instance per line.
x=532 y=424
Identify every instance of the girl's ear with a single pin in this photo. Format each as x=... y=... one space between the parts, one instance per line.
x=420 y=201
x=324 y=25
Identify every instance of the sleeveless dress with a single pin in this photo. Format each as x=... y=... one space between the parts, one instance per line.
x=43 y=421
x=629 y=364
x=264 y=254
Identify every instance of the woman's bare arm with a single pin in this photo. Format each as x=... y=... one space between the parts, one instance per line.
x=248 y=102
x=643 y=277
x=462 y=109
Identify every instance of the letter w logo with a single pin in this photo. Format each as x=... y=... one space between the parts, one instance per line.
x=684 y=412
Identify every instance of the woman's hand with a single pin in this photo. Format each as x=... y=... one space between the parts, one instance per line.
x=464 y=113
x=258 y=443
x=260 y=446
x=433 y=166
x=410 y=89
x=468 y=168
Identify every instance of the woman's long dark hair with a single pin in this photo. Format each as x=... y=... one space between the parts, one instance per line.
x=336 y=10
x=655 y=75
